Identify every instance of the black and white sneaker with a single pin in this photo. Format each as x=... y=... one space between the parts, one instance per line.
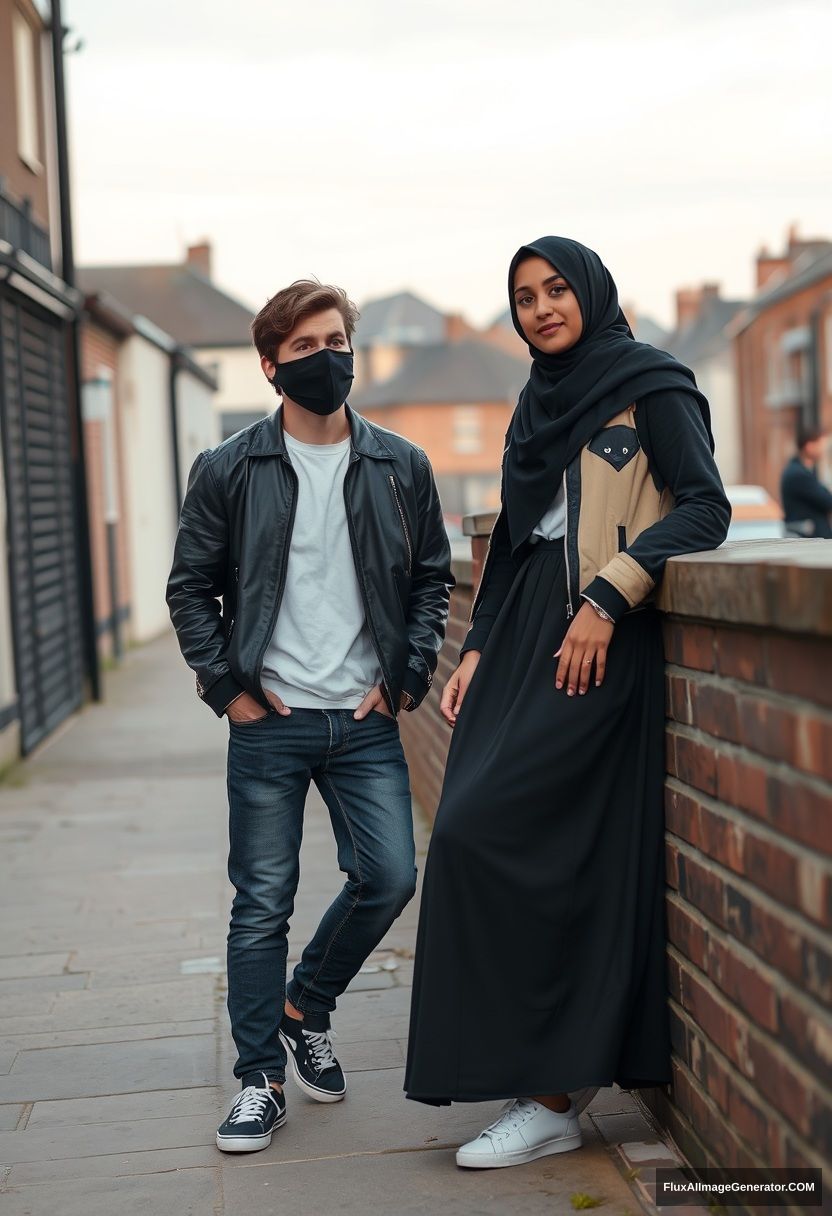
x=314 y=1065
x=258 y=1110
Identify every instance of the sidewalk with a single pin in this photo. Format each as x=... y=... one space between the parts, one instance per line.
x=115 y=1054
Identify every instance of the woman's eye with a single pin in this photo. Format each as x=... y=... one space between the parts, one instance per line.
x=524 y=301
x=558 y=290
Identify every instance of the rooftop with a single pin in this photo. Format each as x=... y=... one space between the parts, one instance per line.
x=177 y=298
x=458 y=372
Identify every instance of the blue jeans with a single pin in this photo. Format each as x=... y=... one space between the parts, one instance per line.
x=360 y=770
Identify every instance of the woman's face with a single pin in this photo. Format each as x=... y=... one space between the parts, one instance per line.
x=547 y=307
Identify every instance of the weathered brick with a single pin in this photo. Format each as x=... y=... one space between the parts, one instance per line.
x=694 y=762
x=687 y=934
x=677 y=699
x=743 y=982
x=689 y=645
x=766 y=934
x=806 y=1034
x=787 y=1089
x=702 y=886
x=748 y=1117
x=771 y=867
x=741 y=654
x=721 y=837
x=682 y=811
x=816 y=971
x=801 y=811
x=715 y=709
x=800 y=666
x=741 y=783
x=671 y=860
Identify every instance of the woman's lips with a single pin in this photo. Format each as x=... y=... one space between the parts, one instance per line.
x=550 y=329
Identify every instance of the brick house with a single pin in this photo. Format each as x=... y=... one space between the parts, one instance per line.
x=48 y=658
x=454 y=399
x=783 y=349
x=184 y=301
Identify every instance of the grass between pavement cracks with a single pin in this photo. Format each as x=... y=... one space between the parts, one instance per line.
x=115 y=1053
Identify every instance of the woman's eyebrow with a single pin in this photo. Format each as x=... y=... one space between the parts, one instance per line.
x=553 y=278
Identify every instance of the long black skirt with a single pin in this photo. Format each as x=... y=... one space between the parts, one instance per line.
x=540 y=960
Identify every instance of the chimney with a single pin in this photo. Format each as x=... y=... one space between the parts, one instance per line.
x=769 y=265
x=690 y=301
x=199 y=258
x=457 y=328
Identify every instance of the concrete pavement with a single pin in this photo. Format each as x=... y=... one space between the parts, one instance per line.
x=115 y=1054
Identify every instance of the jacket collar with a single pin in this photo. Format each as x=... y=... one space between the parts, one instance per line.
x=268 y=440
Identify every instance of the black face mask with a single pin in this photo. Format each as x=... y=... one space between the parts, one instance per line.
x=318 y=382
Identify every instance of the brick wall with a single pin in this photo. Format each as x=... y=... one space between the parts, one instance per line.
x=748 y=638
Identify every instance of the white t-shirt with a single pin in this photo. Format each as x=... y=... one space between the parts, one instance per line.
x=552 y=523
x=320 y=655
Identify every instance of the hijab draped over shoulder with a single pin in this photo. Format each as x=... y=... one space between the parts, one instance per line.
x=570 y=396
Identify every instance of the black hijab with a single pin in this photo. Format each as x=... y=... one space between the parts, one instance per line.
x=570 y=396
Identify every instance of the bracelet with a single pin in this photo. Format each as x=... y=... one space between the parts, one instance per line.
x=605 y=616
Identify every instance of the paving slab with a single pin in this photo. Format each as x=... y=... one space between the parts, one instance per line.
x=10 y=1116
x=191 y=1192
x=112 y=1165
x=103 y=1034
x=16 y=966
x=105 y=1068
x=150 y=1104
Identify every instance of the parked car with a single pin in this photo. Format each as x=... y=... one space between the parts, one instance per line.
x=755 y=514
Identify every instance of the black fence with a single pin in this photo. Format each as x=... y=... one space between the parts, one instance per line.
x=21 y=231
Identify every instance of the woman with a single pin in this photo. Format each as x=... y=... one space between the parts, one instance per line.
x=540 y=966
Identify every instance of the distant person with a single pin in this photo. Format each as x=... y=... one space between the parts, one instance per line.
x=323 y=535
x=540 y=962
x=807 y=503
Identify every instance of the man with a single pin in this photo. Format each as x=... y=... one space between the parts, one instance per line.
x=807 y=502
x=324 y=536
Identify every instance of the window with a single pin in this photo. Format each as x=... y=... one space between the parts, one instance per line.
x=26 y=90
x=467 y=430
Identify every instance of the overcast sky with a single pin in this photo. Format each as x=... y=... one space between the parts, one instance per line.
x=383 y=145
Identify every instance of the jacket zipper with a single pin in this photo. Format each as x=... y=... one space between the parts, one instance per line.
x=394 y=488
x=281 y=582
x=569 y=609
x=362 y=587
x=236 y=602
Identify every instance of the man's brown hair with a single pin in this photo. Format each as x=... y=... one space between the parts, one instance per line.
x=279 y=316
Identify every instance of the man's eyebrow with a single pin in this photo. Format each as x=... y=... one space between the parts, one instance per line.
x=336 y=333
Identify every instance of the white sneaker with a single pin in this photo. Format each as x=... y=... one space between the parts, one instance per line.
x=525 y=1130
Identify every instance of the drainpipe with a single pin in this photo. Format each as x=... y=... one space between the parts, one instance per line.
x=174 y=430
x=74 y=370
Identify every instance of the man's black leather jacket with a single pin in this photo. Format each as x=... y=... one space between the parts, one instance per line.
x=233 y=543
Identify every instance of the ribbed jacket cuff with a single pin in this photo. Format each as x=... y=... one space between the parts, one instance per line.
x=415 y=685
x=607 y=597
x=222 y=693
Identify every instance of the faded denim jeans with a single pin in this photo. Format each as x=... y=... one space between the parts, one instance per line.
x=360 y=770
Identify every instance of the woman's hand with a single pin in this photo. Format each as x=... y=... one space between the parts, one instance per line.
x=457 y=687
x=586 y=642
